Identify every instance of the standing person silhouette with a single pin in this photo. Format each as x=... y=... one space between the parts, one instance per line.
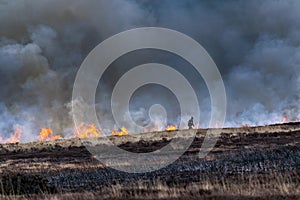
x=191 y=123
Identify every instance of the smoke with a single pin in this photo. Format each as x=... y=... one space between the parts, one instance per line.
x=255 y=44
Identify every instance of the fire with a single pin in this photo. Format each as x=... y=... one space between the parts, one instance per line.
x=16 y=137
x=171 y=128
x=87 y=131
x=46 y=134
x=123 y=131
x=284 y=119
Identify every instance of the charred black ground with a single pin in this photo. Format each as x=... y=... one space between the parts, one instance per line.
x=248 y=162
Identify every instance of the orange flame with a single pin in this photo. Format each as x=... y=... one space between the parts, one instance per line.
x=46 y=134
x=284 y=119
x=87 y=131
x=55 y=137
x=171 y=128
x=16 y=137
x=123 y=131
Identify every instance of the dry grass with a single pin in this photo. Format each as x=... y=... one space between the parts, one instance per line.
x=275 y=186
x=248 y=164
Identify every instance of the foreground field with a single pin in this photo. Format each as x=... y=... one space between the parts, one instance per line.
x=246 y=163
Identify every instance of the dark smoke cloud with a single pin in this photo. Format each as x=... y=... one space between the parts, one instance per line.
x=255 y=44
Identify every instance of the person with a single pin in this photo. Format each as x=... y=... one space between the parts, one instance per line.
x=191 y=123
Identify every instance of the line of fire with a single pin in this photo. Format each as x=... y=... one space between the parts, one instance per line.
x=86 y=130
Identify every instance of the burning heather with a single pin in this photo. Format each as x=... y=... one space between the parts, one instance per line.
x=87 y=131
x=16 y=136
x=171 y=128
x=284 y=119
x=46 y=134
x=148 y=81
x=123 y=131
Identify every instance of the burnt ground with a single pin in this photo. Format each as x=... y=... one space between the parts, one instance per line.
x=248 y=163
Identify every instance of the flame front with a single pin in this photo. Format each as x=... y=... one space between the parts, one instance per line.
x=87 y=131
x=16 y=137
x=171 y=128
x=46 y=134
x=284 y=119
x=123 y=131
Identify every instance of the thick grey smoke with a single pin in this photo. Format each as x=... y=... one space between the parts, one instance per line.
x=255 y=44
